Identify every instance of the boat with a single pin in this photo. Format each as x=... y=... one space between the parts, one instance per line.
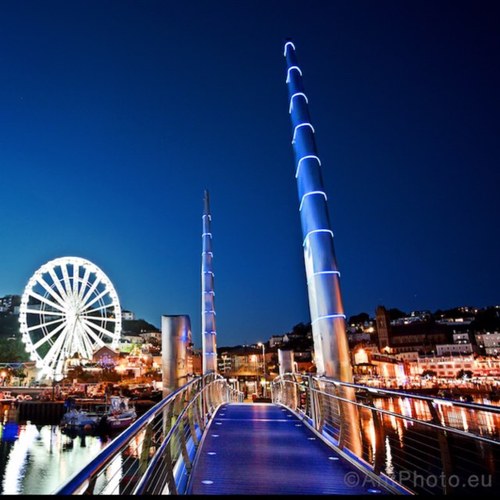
x=115 y=415
x=6 y=397
x=78 y=420
x=119 y=414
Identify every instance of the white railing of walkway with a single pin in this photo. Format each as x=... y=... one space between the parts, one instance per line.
x=155 y=454
x=423 y=444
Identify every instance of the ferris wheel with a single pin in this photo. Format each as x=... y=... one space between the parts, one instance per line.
x=68 y=307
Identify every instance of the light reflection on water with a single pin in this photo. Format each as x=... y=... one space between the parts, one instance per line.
x=37 y=459
x=476 y=421
x=406 y=438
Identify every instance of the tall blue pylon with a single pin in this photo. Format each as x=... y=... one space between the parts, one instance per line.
x=209 y=345
x=331 y=348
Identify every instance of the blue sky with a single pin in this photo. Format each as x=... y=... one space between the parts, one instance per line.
x=116 y=115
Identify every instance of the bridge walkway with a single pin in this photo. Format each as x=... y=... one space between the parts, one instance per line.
x=264 y=449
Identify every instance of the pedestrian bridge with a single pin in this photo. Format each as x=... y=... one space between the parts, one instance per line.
x=204 y=440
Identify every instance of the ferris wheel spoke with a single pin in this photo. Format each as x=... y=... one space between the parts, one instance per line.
x=91 y=289
x=43 y=312
x=104 y=306
x=55 y=350
x=99 y=318
x=57 y=282
x=45 y=300
x=89 y=329
x=48 y=338
x=76 y=342
x=51 y=291
x=76 y=274
x=86 y=340
x=99 y=328
x=67 y=284
x=96 y=298
x=43 y=325
x=85 y=280
x=94 y=336
x=72 y=342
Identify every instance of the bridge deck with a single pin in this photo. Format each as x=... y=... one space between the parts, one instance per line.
x=262 y=448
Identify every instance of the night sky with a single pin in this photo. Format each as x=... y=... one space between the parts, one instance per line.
x=116 y=115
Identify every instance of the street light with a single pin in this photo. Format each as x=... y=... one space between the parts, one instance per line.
x=261 y=344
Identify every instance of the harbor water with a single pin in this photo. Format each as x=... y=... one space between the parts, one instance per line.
x=37 y=459
x=36 y=456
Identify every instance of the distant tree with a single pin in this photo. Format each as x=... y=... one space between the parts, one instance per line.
x=486 y=319
x=19 y=372
x=396 y=314
x=155 y=342
x=359 y=318
x=136 y=326
x=301 y=329
x=9 y=326
x=457 y=312
x=12 y=350
x=110 y=375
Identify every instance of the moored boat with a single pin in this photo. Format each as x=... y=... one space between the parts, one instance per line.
x=115 y=415
x=7 y=397
x=119 y=414
x=77 y=420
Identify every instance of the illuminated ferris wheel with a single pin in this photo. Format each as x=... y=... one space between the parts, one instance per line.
x=68 y=307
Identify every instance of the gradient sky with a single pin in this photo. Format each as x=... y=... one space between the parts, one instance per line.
x=115 y=115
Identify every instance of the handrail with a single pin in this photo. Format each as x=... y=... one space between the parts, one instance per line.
x=168 y=435
x=491 y=409
x=439 y=440
x=410 y=443
x=140 y=489
x=375 y=390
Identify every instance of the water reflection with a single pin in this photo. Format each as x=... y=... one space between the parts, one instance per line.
x=475 y=421
x=389 y=469
x=410 y=445
x=37 y=459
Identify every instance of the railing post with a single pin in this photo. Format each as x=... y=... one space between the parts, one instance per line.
x=444 y=448
x=198 y=409
x=183 y=444
x=146 y=445
x=204 y=400
x=312 y=402
x=192 y=428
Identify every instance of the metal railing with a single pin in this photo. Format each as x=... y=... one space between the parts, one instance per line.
x=419 y=444
x=155 y=454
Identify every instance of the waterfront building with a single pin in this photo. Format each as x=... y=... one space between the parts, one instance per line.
x=369 y=365
x=127 y=315
x=450 y=349
x=276 y=340
x=489 y=342
x=487 y=366
x=461 y=338
x=443 y=366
